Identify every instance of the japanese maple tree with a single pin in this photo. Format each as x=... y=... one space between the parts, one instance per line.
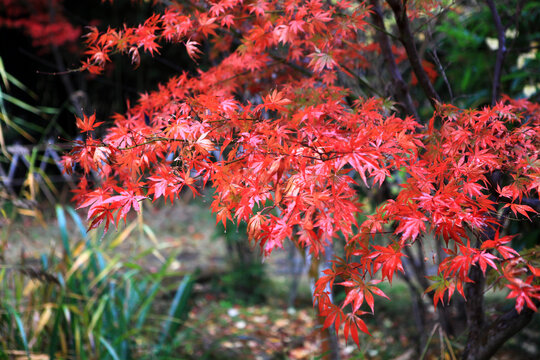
x=283 y=123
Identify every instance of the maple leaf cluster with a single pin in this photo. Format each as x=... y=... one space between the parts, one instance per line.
x=287 y=146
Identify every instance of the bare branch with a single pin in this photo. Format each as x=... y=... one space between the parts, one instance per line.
x=443 y=73
x=407 y=38
x=64 y=74
x=501 y=52
x=401 y=89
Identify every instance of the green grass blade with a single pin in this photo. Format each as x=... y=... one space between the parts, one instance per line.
x=109 y=348
x=10 y=79
x=22 y=104
x=5 y=118
x=84 y=234
x=13 y=80
x=113 y=311
x=3 y=74
x=78 y=221
x=44 y=262
x=79 y=261
x=114 y=265
x=100 y=261
x=55 y=332
x=26 y=124
x=62 y=225
x=178 y=309
x=77 y=337
x=20 y=327
x=32 y=161
x=97 y=314
x=146 y=305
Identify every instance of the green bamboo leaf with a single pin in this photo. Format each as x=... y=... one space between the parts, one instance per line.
x=10 y=79
x=48 y=110
x=37 y=110
x=43 y=320
x=101 y=263
x=32 y=161
x=132 y=292
x=143 y=254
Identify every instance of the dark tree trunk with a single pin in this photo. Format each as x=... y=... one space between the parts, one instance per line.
x=487 y=340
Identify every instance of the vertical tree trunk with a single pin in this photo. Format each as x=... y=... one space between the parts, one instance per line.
x=330 y=345
x=296 y=261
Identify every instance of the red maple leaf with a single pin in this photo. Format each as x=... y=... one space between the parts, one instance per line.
x=87 y=123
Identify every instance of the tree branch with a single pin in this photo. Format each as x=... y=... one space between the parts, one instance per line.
x=401 y=89
x=474 y=308
x=494 y=335
x=420 y=274
x=64 y=76
x=501 y=52
x=407 y=39
x=443 y=73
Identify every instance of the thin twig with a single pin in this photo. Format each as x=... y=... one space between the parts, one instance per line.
x=443 y=73
x=407 y=38
x=400 y=87
x=66 y=80
x=377 y=26
x=501 y=52
x=361 y=80
x=431 y=19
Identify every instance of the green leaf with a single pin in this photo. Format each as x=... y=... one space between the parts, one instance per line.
x=97 y=313
x=20 y=327
x=62 y=225
x=178 y=309
x=109 y=348
x=77 y=219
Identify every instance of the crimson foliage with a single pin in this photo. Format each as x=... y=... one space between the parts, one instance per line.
x=281 y=121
